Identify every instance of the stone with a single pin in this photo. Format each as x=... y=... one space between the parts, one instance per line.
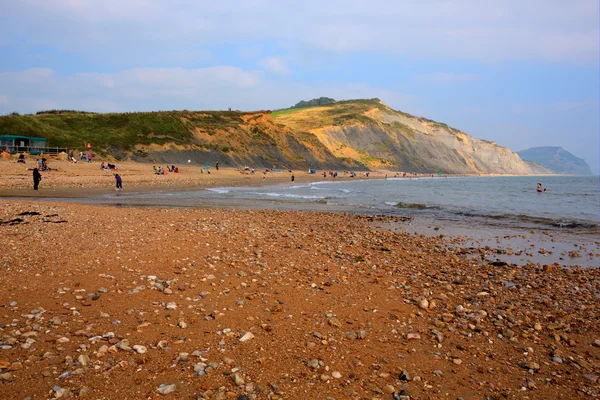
x=83 y=359
x=413 y=336
x=336 y=374
x=389 y=389
x=171 y=306
x=596 y=343
x=247 y=336
x=457 y=361
x=140 y=349
x=166 y=388
x=182 y=324
x=437 y=372
x=590 y=378
x=238 y=379
x=508 y=333
x=423 y=303
x=404 y=375
x=314 y=364
x=335 y=322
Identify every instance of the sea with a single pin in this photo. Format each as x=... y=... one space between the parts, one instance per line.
x=501 y=212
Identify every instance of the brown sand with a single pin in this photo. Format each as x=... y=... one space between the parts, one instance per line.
x=337 y=307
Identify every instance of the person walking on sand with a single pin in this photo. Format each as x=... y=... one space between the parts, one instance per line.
x=293 y=178
x=119 y=182
x=37 y=177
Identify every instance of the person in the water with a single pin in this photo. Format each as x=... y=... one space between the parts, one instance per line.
x=539 y=188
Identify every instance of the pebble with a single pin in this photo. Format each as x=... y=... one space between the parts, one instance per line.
x=166 y=388
x=336 y=374
x=140 y=349
x=314 y=364
x=238 y=379
x=247 y=336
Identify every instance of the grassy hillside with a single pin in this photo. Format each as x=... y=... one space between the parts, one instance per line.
x=343 y=134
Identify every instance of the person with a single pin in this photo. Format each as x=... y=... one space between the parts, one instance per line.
x=539 y=188
x=37 y=177
x=21 y=158
x=119 y=182
x=545 y=190
x=293 y=178
x=217 y=166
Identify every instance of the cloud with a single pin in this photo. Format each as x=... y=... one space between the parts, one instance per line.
x=275 y=65
x=148 y=89
x=444 y=77
x=534 y=30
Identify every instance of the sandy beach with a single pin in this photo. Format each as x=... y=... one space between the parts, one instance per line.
x=106 y=302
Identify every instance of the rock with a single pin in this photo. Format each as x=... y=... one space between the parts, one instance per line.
x=140 y=349
x=423 y=303
x=537 y=326
x=238 y=379
x=314 y=364
x=530 y=365
x=596 y=343
x=437 y=372
x=336 y=374
x=389 y=389
x=335 y=322
x=508 y=333
x=413 y=336
x=404 y=375
x=557 y=360
x=457 y=361
x=247 y=336
x=166 y=388
x=171 y=305
x=590 y=378
x=361 y=334
x=83 y=359
x=182 y=324
x=63 y=340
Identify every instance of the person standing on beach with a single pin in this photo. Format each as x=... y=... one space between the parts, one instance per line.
x=37 y=177
x=217 y=166
x=119 y=182
x=293 y=178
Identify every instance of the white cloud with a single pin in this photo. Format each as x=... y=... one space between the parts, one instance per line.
x=146 y=89
x=275 y=65
x=473 y=30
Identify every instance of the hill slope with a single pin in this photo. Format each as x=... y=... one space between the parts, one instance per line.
x=556 y=159
x=351 y=134
x=371 y=133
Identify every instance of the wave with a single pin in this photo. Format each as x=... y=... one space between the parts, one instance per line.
x=219 y=190
x=287 y=195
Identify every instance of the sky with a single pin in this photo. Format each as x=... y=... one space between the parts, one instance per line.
x=520 y=73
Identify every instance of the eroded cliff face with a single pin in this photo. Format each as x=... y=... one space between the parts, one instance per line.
x=394 y=140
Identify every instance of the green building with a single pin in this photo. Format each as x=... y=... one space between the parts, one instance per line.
x=22 y=144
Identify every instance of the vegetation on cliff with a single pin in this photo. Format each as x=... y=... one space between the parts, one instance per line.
x=321 y=133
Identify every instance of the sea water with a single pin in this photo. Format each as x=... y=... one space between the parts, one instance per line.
x=569 y=202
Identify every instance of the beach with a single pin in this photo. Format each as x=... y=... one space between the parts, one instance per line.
x=126 y=302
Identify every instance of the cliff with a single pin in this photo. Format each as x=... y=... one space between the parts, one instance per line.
x=356 y=134
x=557 y=159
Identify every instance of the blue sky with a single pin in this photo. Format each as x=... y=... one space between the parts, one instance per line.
x=521 y=73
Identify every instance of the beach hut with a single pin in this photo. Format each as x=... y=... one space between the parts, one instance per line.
x=22 y=144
